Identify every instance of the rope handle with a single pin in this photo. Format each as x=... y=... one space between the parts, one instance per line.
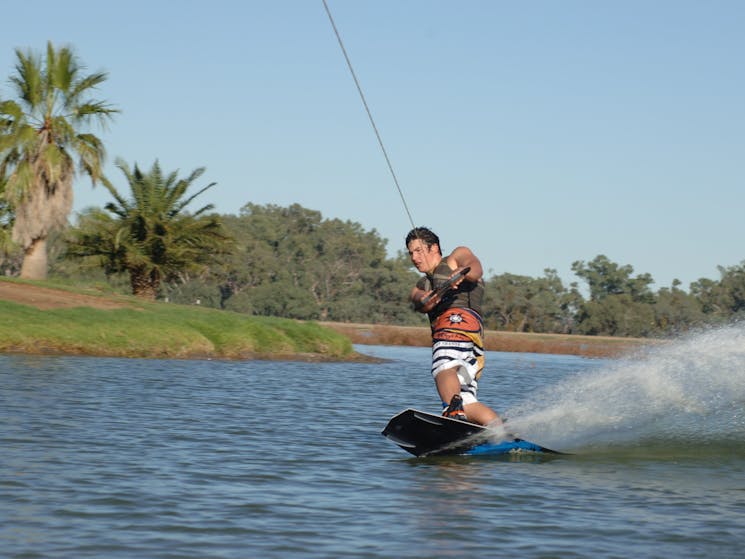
x=445 y=287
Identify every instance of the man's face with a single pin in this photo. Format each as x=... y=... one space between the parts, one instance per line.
x=424 y=257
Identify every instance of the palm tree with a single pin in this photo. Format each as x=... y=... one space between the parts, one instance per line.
x=150 y=236
x=40 y=133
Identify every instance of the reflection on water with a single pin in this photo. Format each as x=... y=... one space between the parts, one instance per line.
x=151 y=458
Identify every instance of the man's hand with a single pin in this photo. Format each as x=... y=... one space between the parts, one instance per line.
x=429 y=300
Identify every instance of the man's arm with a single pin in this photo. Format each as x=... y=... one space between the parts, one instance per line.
x=417 y=295
x=463 y=257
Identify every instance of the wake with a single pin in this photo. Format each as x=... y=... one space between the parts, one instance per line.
x=691 y=389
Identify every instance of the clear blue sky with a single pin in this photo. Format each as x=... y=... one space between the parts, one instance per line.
x=537 y=133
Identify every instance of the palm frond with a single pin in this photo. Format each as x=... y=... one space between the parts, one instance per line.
x=29 y=79
x=189 y=200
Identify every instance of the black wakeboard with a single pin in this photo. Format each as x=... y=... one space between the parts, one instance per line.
x=427 y=434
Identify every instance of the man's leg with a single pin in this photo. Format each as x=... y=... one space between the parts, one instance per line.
x=482 y=414
x=448 y=385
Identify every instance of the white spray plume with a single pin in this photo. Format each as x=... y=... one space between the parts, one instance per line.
x=692 y=387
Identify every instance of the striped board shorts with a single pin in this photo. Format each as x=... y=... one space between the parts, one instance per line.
x=457 y=343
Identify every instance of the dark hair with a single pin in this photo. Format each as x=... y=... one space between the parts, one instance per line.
x=423 y=234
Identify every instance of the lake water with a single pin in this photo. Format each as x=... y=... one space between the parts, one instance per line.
x=115 y=458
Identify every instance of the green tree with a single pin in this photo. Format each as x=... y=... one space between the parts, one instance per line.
x=385 y=298
x=619 y=304
x=40 y=134
x=150 y=236
x=506 y=302
x=723 y=299
x=710 y=295
x=290 y=261
x=271 y=270
x=616 y=315
x=733 y=288
x=605 y=278
x=526 y=304
x=677 y=311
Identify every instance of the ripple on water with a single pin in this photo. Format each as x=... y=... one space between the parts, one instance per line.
x=146 y=458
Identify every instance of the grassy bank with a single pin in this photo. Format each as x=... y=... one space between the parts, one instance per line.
x=43 y=317
x=166 y=331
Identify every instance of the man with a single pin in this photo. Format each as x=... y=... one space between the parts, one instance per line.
x=455 y=318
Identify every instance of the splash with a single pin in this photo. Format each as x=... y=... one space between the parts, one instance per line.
x=692 y=388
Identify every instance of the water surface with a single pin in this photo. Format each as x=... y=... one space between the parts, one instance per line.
x=198 y=459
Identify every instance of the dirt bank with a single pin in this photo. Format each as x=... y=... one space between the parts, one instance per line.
x=46 y=298
x=588 y=346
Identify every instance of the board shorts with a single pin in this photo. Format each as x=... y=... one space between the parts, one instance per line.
x=458 y=342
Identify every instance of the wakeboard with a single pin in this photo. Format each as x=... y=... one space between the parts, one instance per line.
x=427 y=434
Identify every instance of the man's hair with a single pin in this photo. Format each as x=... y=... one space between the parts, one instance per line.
x=425 y=235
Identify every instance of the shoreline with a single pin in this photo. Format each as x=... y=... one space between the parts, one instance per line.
x=495 y=340
x=220 y=337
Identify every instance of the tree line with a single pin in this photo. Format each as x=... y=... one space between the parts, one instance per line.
x=292 y=262
x=266 y=260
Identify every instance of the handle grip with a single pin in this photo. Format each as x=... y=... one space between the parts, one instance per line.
x=445 y=287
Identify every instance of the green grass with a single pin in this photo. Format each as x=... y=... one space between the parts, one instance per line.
x=165 y=330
